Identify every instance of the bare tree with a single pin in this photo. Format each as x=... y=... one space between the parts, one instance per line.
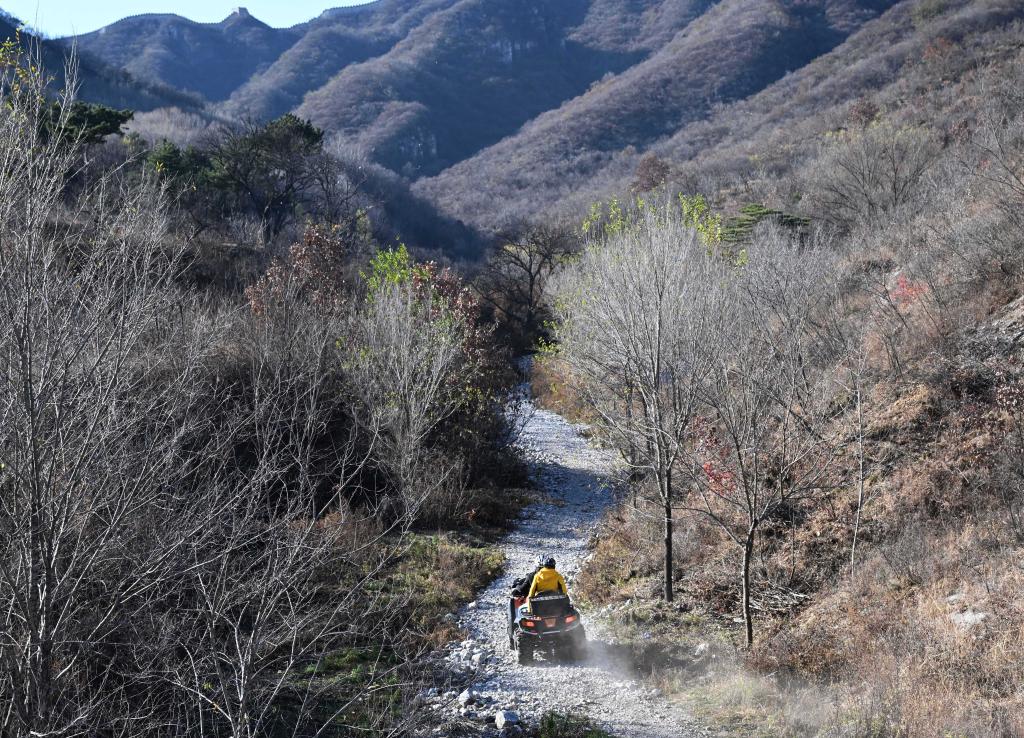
x=855 y=371
x=410 y=367
x=337 y=190
x=999 y=145
x=638 y=324
x=866 y=174
x=81 y=293
x=761 y=441
x=164 y=565
x=514 y=282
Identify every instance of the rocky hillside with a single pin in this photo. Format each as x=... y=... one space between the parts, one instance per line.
x=424 y=85
x=887 y=605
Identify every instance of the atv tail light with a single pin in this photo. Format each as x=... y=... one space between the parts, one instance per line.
x=528 y=624
x=571 y=619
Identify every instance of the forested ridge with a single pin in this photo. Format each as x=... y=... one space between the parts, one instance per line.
x=534 y=94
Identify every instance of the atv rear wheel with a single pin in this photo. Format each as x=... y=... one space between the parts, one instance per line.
x=524 y=649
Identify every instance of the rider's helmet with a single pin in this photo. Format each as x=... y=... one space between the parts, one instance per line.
x=541 y=560
x=549 y=562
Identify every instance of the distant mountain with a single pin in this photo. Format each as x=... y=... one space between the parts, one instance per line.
x=734 y=50
x=98 y=81
x=210 y=59
x=422 y=85
x=418 y=84
x=502 y=109
x=468 y=77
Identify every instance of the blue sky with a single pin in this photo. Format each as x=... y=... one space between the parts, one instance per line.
x=69 y=17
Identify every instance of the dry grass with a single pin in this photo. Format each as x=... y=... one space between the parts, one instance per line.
x=435 y=576
x=552 y=387
x=933 y=625
x=921 y=638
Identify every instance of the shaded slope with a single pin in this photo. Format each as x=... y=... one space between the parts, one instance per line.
x=97 y=81
x=310 y=63
x=736 y=49
x=211 y=59
x=469 y=76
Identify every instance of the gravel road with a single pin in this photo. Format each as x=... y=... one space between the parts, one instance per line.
x=570 y=475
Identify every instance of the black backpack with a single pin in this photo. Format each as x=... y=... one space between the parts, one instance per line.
x=521 y=586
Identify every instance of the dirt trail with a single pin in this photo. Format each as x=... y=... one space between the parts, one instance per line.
x=570 y=473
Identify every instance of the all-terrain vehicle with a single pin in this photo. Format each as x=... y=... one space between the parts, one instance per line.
x=547 y=624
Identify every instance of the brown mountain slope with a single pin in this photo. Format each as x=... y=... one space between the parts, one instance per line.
x=418 y=84
x=476 y=72
x=733 y=51
x=802 y=105
x=328 y=44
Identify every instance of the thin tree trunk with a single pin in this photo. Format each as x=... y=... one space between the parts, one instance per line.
x=669 y=525
x=748 y=555
x=860 y=479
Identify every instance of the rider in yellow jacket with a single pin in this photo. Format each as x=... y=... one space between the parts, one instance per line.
x=548 y=580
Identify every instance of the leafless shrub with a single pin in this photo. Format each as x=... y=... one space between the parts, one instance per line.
x=406 y=363
x=908 y=557
x=651 y=173
x=171 y=124
x=163 y=564
x=1009 y=467
x=863 y=113
x=862 y=176
x=245 y=229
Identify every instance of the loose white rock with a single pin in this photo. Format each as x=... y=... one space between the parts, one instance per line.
x=968 y=619
x=505 y=717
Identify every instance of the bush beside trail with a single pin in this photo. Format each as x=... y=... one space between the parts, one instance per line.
x=223 y=511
